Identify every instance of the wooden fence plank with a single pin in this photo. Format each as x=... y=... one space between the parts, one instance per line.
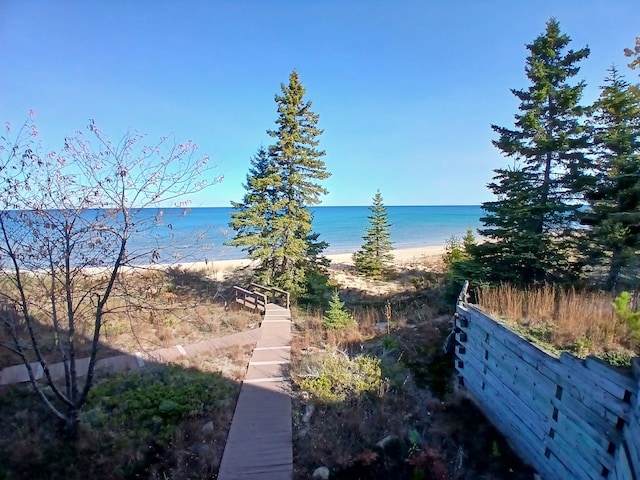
x=520 y=443
x=602 y=380
x=569 y=418
x=631 y=435
x=591 y=425
x=583 y=448
x=618 y=379
x=571 y=458
x=624 y=468
x=537 y=407
x=533 y=427
x=509 y=360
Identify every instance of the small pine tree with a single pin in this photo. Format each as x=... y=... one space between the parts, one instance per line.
x=622 y=307
x=336 y=316
x=461 y=265
x=374 y=259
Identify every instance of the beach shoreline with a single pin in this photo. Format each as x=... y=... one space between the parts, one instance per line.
x=404 y=258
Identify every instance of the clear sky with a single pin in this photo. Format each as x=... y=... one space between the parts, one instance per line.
x=406 y=90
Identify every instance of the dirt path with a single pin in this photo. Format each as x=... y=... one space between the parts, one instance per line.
x=19 y=374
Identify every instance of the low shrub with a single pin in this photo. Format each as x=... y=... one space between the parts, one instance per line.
x=153 y=402
x=336 y=378
x=622 y=306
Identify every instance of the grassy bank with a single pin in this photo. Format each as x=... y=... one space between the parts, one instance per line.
x=164 y=421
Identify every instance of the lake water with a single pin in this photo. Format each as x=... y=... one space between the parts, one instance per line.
x=200 y=233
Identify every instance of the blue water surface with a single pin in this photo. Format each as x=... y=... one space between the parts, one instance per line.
x=199 y=234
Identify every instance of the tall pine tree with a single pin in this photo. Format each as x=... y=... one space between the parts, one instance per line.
x=613 y=182
x=252 y=217
x=273 y=223
x=547 y=144
x=374 y=259
x=516 y=254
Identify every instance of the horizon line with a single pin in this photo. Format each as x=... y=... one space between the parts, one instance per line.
x=345 y=206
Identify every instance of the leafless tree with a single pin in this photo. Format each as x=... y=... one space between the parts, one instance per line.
x=66 y=221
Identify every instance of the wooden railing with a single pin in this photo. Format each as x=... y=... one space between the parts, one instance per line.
x=254 y=301
x=257 y=296
x=274 y=295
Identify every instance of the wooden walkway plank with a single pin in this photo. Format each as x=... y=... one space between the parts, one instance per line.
x=273 y=354
x=259 y=444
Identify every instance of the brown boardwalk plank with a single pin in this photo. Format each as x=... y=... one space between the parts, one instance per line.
x=270 y=355
x=259 y=445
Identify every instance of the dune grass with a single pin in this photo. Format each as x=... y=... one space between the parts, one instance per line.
x=583 y=323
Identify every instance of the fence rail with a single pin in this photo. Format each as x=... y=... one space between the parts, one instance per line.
x=254 y=301
x=256 y=297
x=567 y=417
x=274 y=295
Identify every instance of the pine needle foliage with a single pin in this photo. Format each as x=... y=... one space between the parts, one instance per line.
x=336 y=316
x=374 y=259
x=622 y=307
x=530 y=224
x=273 y=223
x=612 y=184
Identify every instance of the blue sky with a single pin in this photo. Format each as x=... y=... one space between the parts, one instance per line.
x=406 y=90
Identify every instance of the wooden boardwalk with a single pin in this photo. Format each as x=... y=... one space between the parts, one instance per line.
x=259 y=445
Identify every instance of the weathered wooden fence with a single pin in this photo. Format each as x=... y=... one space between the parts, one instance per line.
x=569 y=418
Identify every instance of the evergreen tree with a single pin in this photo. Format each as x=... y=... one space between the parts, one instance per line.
x=336 y=316
x=517 y=253
x=374 y=259
x=460 y=266
x=273 y=223
x=613 y=183
x=252 y=217
x=529 y=225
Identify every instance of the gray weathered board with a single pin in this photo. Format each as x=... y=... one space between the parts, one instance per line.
x=567 y=417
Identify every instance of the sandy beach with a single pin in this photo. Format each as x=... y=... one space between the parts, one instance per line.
x=404 y=258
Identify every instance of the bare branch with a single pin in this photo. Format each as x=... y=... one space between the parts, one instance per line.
x=67 y=212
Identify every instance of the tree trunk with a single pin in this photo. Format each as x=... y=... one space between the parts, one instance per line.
x=546 y=181
x=614 y=271
x=71 y=424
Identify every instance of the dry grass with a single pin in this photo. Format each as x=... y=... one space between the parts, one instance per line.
x=230 y=362
x=311 y=333
x=582 y=322
x=433 y=434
